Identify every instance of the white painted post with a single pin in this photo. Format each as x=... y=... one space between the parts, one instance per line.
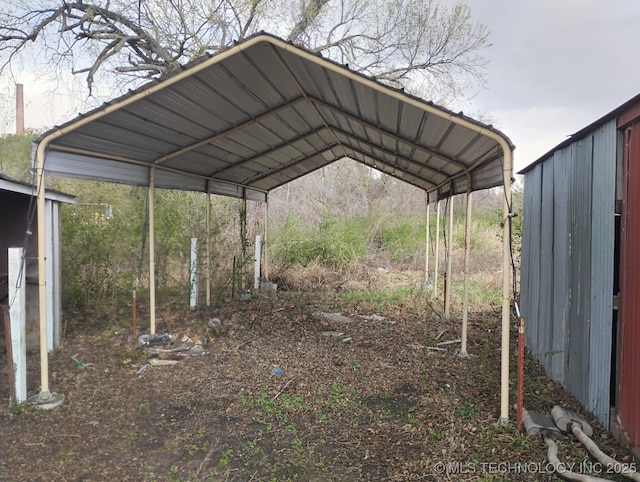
x=256 y=269
x=436 y=259
x=426 y=244
x=49 y=263
x=193 y=274
x=17 y=315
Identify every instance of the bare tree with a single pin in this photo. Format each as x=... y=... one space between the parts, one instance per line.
x=397 y=41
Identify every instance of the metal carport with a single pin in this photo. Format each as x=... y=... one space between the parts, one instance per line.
x=263 y=113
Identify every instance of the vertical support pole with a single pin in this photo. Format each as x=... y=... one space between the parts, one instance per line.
x=467 y=250
x=427 y=241
x=266 y=231
x=193 y=274
x=257 y=262
x=506 y=288
x=243 y=241
x=448 y=283
x=436 y=257
x=45 y=394
x=152 y=254
x=49 y=261
x=208 y=247
x=17 y=315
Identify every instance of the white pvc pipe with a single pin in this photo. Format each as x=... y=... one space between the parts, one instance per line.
x=193 y=274
x=17 y=315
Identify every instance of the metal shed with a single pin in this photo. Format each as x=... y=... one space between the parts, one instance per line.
x=16 y=201
x=264 y=112
x=581 y=266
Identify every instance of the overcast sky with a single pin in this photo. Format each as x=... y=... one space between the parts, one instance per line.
x=556 y=66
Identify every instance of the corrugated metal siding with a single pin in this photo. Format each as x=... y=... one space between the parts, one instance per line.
x=628 y=406
x=567 y=266
x=603 y=247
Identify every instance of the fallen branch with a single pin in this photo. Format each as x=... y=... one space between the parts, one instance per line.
x=433 y=348
x=285 y=386
x=207 y=458
x=450 y=342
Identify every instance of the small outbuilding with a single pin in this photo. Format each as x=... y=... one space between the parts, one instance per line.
x=18 y=229
x=580 y=275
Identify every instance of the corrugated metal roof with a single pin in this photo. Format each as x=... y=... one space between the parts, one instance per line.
x=11 y=185
x=263 y=113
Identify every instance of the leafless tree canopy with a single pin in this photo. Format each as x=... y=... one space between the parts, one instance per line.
x=397 y=41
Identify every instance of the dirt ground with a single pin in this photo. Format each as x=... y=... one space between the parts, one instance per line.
x=274 y=397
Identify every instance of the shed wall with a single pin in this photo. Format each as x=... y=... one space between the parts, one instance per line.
x=629 y=356
x=567 y=266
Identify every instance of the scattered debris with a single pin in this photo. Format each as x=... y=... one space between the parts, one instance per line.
x=269 y=287
x=246 y=296
x=183 y=347
x=433 y=348
x=338 y=335
x=377 y=318
x=159 y=362
x=154 y=339
x=79 y=363
x=275 y=371
x=374 y=318
x=170 y=356
x=334 y=334
x=450 y=342
x=333 y=317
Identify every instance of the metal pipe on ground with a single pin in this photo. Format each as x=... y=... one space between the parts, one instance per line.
x=571 y=422
x=542 y=424
x=560 y=468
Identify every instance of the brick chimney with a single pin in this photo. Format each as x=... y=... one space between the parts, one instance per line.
x=19 y=110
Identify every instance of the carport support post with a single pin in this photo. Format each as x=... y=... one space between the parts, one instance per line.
x=264 y=243
x=447 y=286
x=436 y=257
x=506 y=288
x=208 y=246
x=426 y=247
x=467 y=249
x=152 y=255
x=257 y=262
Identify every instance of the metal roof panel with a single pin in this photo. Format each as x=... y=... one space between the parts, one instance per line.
x=265 y=112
